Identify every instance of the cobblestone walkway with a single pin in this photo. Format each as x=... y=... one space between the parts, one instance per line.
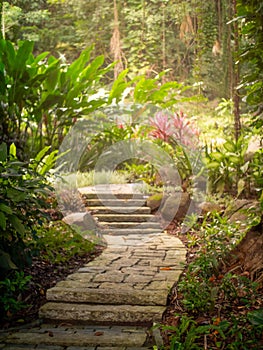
x=113 y=301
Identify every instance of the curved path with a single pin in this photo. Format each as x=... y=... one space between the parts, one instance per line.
x=113 y=301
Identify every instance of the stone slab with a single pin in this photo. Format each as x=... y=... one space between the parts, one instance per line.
x=67 y=339
x=128 y=231
x=95 y=202
x=124 y=217
x=108 y=314
x=119 y=210
x=115 y=296
x=130 y=224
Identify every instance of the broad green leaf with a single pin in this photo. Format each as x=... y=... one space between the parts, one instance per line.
x=118 y=86
x=89 y=72
x=240 y=187
x=2 y=80
x=5 y=261
x=40 y=57
x=78 y=65
x=212 y=165
x=49 y=162
x=229 y=146
x=3 y=152
x=245 y=167
x=218 y=156
x=51 y=101
x=15 y=195
x=256 y=317
x=76 y=90
x=10 y=57
x=22 y=55
x=220 y=186
x=42 y=153
x=5 y=208
x=2 y=220
x=234 y=159
x=52 y=79
x=12 y=150
x=17 y=224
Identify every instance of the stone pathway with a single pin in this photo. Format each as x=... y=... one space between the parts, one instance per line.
x=113 y=301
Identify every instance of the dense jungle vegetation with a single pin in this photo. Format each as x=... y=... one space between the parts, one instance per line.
x=101 y=66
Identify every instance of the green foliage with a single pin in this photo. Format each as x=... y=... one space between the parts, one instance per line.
x=22 y=192
x=185 y=335
x=10 y=292
x=232 y=169
x=228 y=167
x=42 y=97
x=202 y=289
x=83 y=179
x=256 y=170
x=199 y=294
x=57 y=243
x=250 y=14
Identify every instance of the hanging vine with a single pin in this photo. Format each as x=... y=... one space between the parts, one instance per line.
x=115 y=43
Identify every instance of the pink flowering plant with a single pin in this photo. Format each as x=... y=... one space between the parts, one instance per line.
x=177 y=126
x=178 y=135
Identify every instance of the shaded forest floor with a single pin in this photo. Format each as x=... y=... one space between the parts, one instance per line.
x=45 y=275
x=242 y=262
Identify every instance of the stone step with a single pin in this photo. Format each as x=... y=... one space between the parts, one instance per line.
x=131 y=231
x=114 y=202
x=119 y=210
x=131 y=225
x=76 y=294
x=51 y=337
x=101 y=314
x=112 y=195
x=124 y=217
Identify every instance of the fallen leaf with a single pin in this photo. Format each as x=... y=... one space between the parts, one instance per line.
x=98 y=333
x=165 y=268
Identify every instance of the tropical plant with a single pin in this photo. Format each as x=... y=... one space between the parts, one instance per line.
x=249 y=17
x=227 y=166
x=42 y=97
x=11 y=288
x=56 y=242
x=22 y=194
x=180 y=138
x=205 y=285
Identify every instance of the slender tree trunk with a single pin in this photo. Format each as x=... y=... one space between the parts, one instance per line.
x=115 y=44
x=236 y=76
x=2 y=32
x=163 y=42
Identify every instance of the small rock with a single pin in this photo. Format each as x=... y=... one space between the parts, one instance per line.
x=240 y=210
x=240 y=205
x=83 y=220
x=209 y=207
x=176 y=206
x=154 y=201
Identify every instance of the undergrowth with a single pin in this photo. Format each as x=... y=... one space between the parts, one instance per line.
x=54 y=243
x=219 y=309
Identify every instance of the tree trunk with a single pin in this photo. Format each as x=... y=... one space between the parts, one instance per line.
x=115 y=44
x=2 y=20
x=163 y=42
x=236 y=76
x=247 y=257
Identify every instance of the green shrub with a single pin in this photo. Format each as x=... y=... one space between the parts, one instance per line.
x=10 y=293
x=57 y=242
x=22 y=199
x=226 y=303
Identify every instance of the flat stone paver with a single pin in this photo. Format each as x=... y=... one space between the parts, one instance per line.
x=126 y=286
x=77 y=336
